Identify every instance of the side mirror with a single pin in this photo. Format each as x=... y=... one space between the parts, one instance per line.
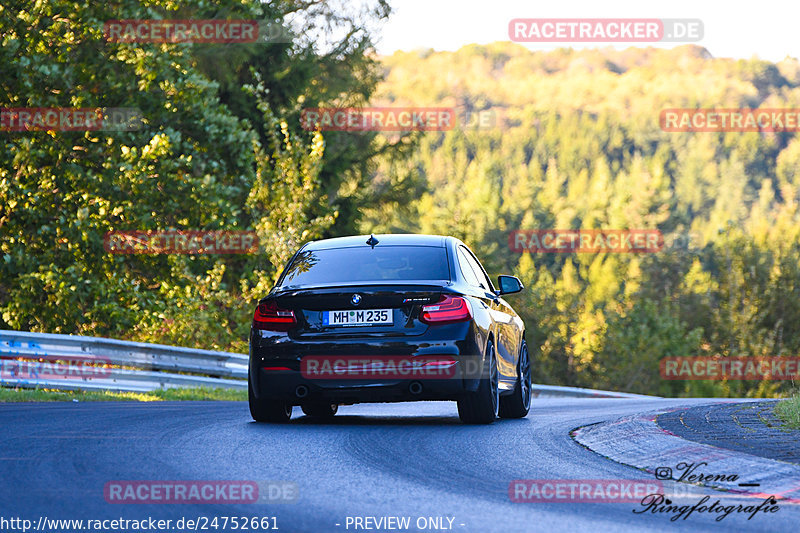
x=509 y=284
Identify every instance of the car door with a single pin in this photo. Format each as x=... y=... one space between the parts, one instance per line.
x=477 y=290
x=506 y=343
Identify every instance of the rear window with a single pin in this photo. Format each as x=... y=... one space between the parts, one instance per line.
x=382 y=263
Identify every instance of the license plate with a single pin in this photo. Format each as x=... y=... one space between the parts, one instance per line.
x=361 y=317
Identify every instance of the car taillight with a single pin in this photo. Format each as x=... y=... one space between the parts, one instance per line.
x=448 y=309
x=269 y=316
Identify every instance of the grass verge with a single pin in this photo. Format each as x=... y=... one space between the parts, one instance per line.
x=789 y=411
x=49 y=395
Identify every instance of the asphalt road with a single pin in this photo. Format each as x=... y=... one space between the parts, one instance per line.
x=412 y=460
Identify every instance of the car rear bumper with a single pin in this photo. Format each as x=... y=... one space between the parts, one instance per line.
x=279 y=367
x=293 y=388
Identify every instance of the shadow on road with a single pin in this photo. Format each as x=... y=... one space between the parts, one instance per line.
x=362 y=420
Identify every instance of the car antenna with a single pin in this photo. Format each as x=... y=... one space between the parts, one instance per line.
x=372 y=241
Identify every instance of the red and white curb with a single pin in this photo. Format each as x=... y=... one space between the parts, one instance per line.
x=638 y=441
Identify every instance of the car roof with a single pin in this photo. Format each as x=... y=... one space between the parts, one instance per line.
x=384 y=239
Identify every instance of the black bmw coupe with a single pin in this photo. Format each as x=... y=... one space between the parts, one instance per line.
x=388 y=318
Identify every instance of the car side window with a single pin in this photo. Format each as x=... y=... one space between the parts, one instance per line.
x=466 y=268
x=485 y=282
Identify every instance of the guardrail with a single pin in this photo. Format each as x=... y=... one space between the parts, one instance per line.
x=70 y=362
x=123 y=366
x=556 y=391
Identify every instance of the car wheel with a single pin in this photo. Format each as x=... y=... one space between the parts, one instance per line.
x=517 y=404
x=480 y=407
x=320 y=410
x=263 y=410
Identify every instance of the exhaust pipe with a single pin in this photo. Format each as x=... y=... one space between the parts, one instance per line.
x=301 y=391
x=415 y=387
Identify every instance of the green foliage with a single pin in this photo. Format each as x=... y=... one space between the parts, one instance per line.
x=220 y=148
x=577 y=144
x=188 y=166
x=789 y=411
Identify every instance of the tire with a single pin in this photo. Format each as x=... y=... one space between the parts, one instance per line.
x=263 y=410
x=480 y=407
x=517 y=404
x=320 y=410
